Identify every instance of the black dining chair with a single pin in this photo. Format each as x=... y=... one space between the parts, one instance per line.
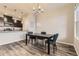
x=31 y=38
x=53 y=42
x=41 y=38
x=43 y=33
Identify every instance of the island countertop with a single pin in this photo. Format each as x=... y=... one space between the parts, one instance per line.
x=12 y=31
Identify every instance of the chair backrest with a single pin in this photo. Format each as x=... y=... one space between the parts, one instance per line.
x=43 y=32
x=55 y=36
x=30 y=32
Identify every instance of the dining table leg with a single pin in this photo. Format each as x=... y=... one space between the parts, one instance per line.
x=48 y=46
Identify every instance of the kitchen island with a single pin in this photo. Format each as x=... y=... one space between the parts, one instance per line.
x=7 y=37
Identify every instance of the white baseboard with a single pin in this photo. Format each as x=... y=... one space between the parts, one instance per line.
x=65 y=43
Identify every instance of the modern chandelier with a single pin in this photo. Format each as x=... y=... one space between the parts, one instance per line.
x=37 y=9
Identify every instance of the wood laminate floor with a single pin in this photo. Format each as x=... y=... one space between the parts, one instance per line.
x=20 y=49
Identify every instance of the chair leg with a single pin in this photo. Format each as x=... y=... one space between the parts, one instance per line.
x=54 y=48
x=34 y=40
x=28 y=40
x=42 y=42
x=45 y=45
x=37 y=41
x=31 y=41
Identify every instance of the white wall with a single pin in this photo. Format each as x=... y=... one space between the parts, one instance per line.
x=29 y=23
x=60 y=20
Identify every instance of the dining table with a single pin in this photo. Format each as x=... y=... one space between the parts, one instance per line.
x=45 y=36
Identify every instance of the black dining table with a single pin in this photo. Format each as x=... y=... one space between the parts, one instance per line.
x=46 y=36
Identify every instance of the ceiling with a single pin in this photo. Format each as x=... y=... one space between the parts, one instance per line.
x=26 y=8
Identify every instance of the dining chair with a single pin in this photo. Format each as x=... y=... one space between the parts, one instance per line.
x=31 y=38
x=43 y=32
x=52 y=41
x=41 y=38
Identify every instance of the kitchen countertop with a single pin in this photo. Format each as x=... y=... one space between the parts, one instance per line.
x=11 y=31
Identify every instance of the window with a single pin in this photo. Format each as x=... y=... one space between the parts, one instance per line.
x=77 y=21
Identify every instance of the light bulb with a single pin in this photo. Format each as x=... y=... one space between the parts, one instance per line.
x=39 y=7
x=42 y=10
x=33 y=8
x=5 y=13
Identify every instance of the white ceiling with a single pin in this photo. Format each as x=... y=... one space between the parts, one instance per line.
x=28 y=7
